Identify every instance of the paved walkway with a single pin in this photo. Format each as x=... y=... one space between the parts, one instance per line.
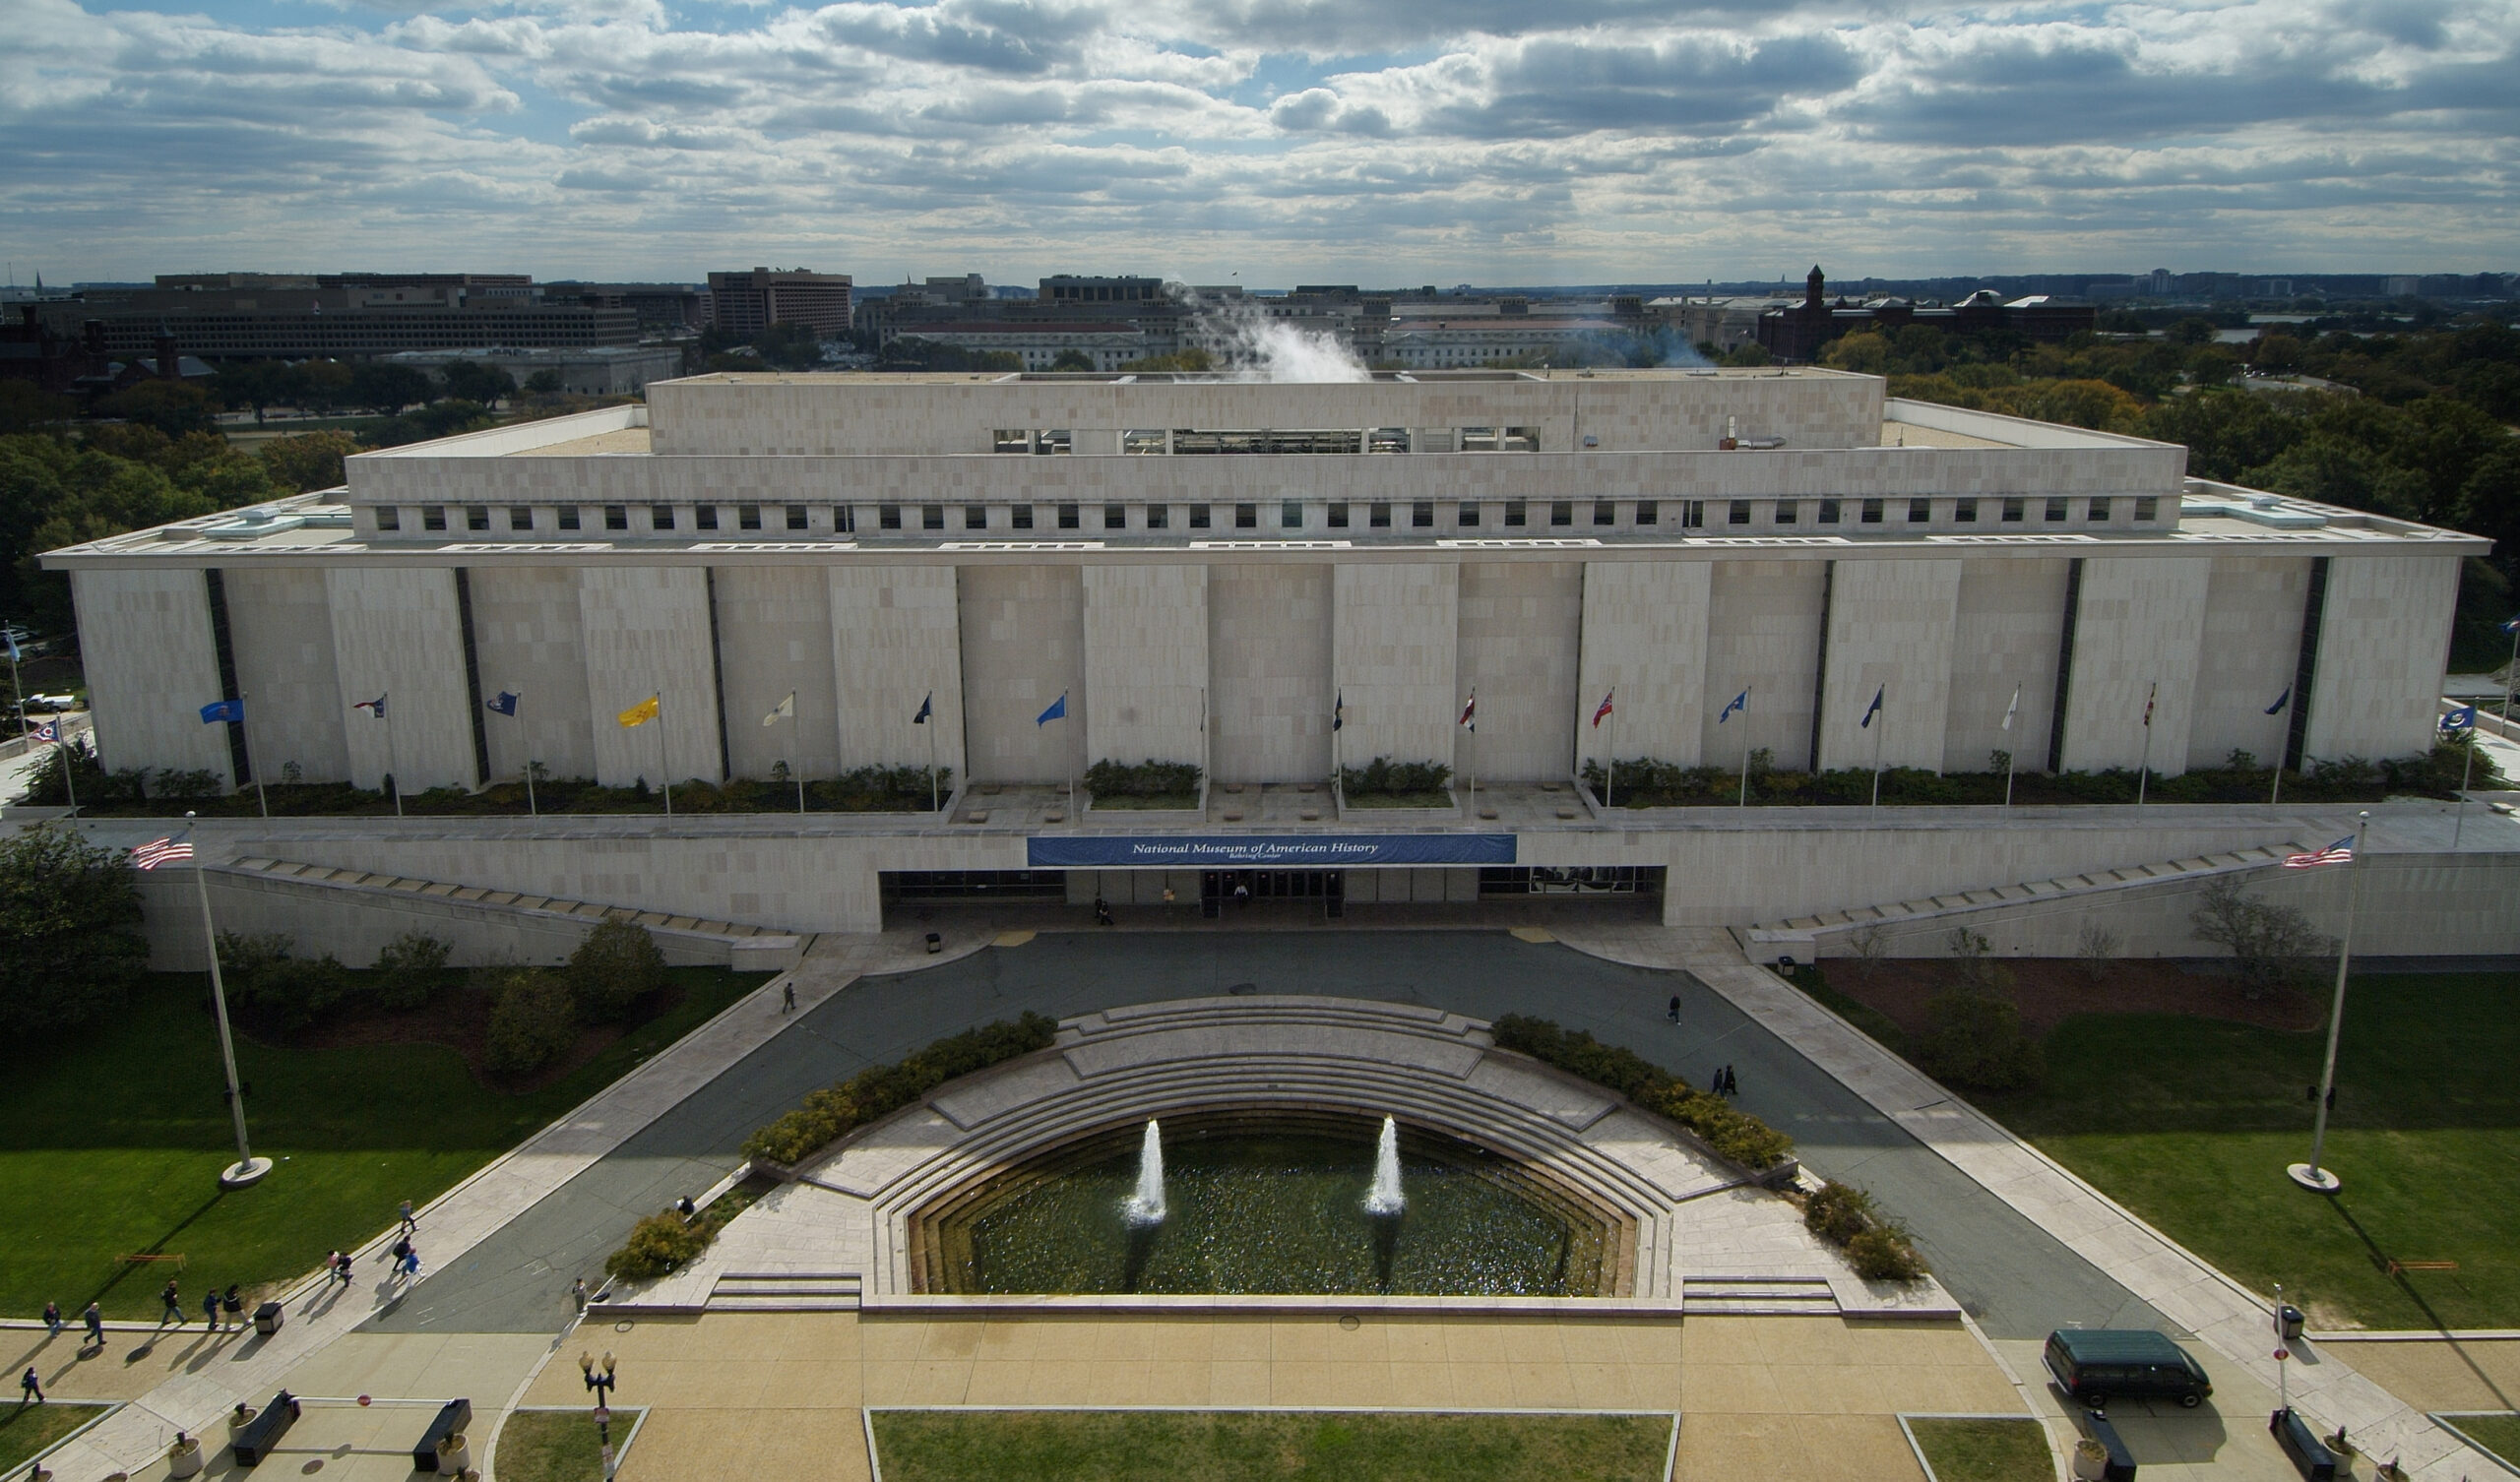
x=2225 y=1316
x=212 y=1376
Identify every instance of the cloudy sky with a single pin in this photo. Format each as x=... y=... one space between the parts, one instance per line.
x=1377 y=140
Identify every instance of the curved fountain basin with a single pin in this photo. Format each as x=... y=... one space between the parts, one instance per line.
x=1270 y=1202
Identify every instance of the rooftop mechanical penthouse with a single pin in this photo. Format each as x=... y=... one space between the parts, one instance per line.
x=1208 y=569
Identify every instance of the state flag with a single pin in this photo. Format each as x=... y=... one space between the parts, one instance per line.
x=642 y=712
x=1605 y=709
x=1057 y=712
x=501 y=703
x=1469 y=712
x=231 y=711
x=785 y=709
x=926 y=708
x=1872 y=709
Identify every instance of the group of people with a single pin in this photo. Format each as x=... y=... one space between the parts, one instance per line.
x=216 y=1305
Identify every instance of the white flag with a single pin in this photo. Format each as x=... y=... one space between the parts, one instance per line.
x=785 y=709
x=2016 y=704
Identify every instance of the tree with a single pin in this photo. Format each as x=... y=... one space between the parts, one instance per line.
x=308 y=460
x=70 y=944
x=274 y=988
x=2273 y=947
x=28 y=407
x=615 y=967
x=1975 y=1039
x=530 y=1023
x=323 y=385
x=2097 y=950
x=256 y=384
x=542 y=383
x=1072 y=360
x=171 y=406
x=385 y=388
x=471 y=381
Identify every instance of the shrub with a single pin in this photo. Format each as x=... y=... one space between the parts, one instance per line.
x=656 y=1245
x=2097 y=950
x=271 y=987
x=70 y=945
x=1837 y=1212
x=531 y=1021
x=1883 y=1253
x=1384 y=777
x=615 y=967
x=832 y=1113
x=409 y=969
x=1150 y=778
x=2273 y=947
x=1732 y=1135
x=1976 y=1040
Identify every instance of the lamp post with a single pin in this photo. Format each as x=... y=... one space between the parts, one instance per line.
x=601 y=1382
x=2311 y=1175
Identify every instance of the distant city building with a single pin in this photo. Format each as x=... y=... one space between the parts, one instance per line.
x=1107 y=344
x=662 y=308
x=609 y=370
x=744 y=304
x=1728 y=322
x=347 y=315
x=1798 y=332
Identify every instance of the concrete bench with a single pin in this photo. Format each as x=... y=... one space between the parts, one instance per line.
x=452 y=1417
x=2310 y=1455
x=261 y=1432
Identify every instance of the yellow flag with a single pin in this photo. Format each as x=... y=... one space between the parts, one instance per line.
x=642 y=712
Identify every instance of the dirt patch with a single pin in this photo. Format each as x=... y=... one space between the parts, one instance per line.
x=2050 y=990
x=460 y=1019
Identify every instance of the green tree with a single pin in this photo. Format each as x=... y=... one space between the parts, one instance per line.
x=308 y=460
x=1072 y=360
x=70 y=944
x=385 y=388
x=531 y=1021
x=28 y=407
x=544 y=383
x=471 y=381
x=174 y=407
x=256 y=384
x=409 y=969
x=615 y=966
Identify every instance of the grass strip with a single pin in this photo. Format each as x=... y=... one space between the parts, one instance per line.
x=2498 y=1434
x=1972 y=1450
x=1208 y=1445
x=27 y=1430
x=555 y=1446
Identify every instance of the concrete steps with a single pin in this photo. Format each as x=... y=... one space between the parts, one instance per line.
x=786 y=1291
x=1759 y=1296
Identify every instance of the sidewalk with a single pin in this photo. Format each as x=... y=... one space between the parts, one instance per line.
x=2225 y=1316
x=195 y=1399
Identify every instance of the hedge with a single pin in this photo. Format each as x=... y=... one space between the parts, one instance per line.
x=1875 y=1246
x=1732 y=1135
x=835 y=1111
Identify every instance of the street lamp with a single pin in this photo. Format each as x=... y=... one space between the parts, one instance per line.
x=2311 y=1175
x=600 y=1382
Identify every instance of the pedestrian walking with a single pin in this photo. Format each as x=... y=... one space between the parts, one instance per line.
x=1102 y=911
x=787 y=999
x=53 y=1318
x=411 y=1262
x=232 y=1303
x=96 y=1320
x=411 y=1222
x=1731 y=1083
x=1675 y=1007
x=402 y=1247
x=578 y=1293
x=32 y=1385
x=174 y=1303
x=209 y=1309
x=343 y=1267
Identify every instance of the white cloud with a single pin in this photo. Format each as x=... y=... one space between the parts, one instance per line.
x=1466 y=139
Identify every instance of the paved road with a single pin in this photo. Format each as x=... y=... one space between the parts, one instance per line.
x=2014 y=1277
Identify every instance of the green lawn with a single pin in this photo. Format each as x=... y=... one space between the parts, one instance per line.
x=556 y=1446
x=2496 y=1433
x=1811 y=980
x=25 y=1430
x=111 y=1139
x=2190 y=1122
x=1984 y=1450
x=1175 y=1446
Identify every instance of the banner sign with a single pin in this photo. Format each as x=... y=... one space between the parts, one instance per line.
x=1285 y=851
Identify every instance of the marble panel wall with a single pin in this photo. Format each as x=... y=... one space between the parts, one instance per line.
x=529 y=633
x=279 y=629
x=2138 y=632
x=1269 y=666
x=151 y=666
x=647 y=632
x=1398 y=632
x=1146 y=663
x=1023 y=634
x=2384 y=643
x=2252 y=651
x=2006 y=631
x=397 y=634
x=1763 y=632
x=1645 y=637
x=774 y=638
x=1522 y=624
x=896 y=640
x=1890 y=631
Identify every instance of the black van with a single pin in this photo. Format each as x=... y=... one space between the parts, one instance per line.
x=2096 y=1364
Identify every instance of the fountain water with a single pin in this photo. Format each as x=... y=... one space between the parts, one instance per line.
x=1146 y=1206
x=1384 y=1197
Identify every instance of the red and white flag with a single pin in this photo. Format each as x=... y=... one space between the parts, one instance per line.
x=2339 y=852
x=1605 y=711
x=1469 y=712
x=158 y=851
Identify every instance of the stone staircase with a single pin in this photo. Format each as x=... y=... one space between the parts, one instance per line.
x=1759 y=1296
x=786 y=1291
x=1804 y=937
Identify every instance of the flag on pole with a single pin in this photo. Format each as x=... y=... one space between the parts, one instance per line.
x=158 y=851
x=50 y=730
x=501 y=703
x=785 y=709
x=1605 y=709
x=375 y=708
x=2281 y=700
x=2512 y=624
x=2149 y=696
x=2464 y=719
x=231 y=711
x=1469 y=712
x=1057 y=712
x=642 y=712
x=926 y=708
x=1872 y=709
x=1338 y=710
x=2010 y=709
x=1741 y=702
x=2339 y=852
x=11 y=641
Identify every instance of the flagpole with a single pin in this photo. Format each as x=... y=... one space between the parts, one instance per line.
x=1882 y=715
x=392 y=754
x=17 y=691
x=1745 y=749
x=2144 y=769
x=1610 y=774
x=664 y=764
x=2311 y=1175
x=2467 y=773
x=69 y=763
x=259 y=797
x=532 y=808
x=2510 y=676
x=935 y=803
x=2009 y=760
x=247 y=1169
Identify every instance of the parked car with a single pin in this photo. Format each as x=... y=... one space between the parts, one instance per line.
x=2096 y=1364
x=46 y=705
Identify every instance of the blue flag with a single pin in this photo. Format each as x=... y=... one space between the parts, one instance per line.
x=1057 y=712
x=2512 y=624
x=2464 y=719
x=2281 y=700
x=501 y=703
x=231 y=711
x=1741 y=702
x=1872 y=709
x=927 y=708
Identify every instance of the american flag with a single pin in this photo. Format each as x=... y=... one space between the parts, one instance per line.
x=2339 y=852
x=158 y=851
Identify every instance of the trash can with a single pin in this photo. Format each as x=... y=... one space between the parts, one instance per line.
x=268 y=1317
x=935 y=944
x=2288 y=1321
